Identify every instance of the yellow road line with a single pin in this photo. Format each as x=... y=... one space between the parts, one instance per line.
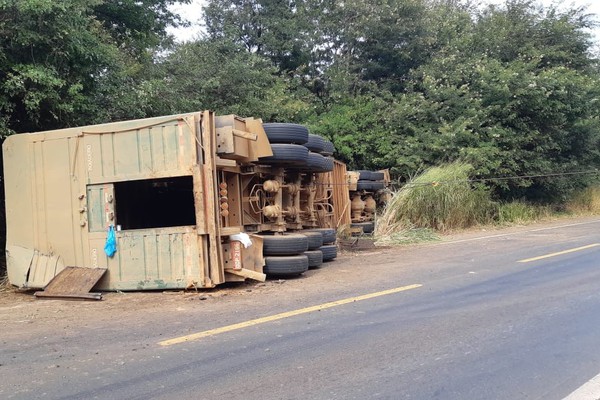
x=288 y=314
x=589 y=246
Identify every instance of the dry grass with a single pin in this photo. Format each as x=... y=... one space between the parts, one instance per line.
x=440 y=199
x=585 y=202
x=519 y=212
x=5 y=285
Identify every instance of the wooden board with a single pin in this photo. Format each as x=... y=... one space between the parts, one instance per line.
x=73 y=283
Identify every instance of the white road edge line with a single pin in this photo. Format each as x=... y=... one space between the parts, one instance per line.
x=589 y=391
x=516 y=233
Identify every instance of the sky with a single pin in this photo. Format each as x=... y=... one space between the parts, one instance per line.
x=193 y=13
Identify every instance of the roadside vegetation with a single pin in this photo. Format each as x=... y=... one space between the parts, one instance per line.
x=446 y=199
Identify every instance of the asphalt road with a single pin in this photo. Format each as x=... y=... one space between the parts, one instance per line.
x=483 y=324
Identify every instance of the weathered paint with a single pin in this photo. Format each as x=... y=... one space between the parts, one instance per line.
x=60 y=201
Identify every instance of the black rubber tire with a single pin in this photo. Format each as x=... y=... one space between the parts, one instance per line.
x=364 y=175
x=329 y=252
x=287 y=154
x=286 y=266
x=369 y=186
x=328 y=148
x=286 y=133
x=377 y=176
x=316 y=162
x=329 y=234
x=284 y=245
x=328 y=165
x=367 y=227
x=315 y=143
x=315 y=239
x=315 y=258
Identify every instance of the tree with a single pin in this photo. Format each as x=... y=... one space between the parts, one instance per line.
x=74 y=62
x=221 y=76
x=274 y=29
x=528 y=108
x=512 y=91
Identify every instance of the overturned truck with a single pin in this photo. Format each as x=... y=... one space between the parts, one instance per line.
x=190 y=200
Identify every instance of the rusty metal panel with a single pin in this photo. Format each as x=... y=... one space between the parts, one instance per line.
x=341 y=197
x=212 y=241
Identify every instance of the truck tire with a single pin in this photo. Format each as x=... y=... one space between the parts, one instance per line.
x=284 y=245
x=369 y=186
x=364 y=175
x=315 y=258
x=316 y=162
x=377 y=176
x=329 y=252
x=329 y=149
x=329 y=234
x=315 y=143
x=286 y=154
x=286 y=133
x=286 y=266
x=328 y=164
x=315 y=239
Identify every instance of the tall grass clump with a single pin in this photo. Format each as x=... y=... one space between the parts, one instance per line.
x=519 y=212
x=586 y=201
x=441 y=198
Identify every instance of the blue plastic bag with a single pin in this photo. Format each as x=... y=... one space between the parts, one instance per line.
x=110 y=248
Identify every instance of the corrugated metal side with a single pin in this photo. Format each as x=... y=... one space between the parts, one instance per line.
x=19 y=208
x=55 y=212
x=147 y=152
x=154 y=259
x=43 y=269
x=43 y=208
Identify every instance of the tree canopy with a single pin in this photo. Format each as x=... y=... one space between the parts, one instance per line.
x=71 y=62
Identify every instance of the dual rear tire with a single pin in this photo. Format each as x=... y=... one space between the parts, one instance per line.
x=293 y=254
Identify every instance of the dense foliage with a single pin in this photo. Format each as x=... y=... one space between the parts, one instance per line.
x=402 y=84
x=73 y=62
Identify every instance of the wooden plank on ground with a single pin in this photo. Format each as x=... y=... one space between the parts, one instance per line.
x=73 y=283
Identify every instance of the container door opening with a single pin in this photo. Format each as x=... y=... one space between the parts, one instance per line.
x=155 y=203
